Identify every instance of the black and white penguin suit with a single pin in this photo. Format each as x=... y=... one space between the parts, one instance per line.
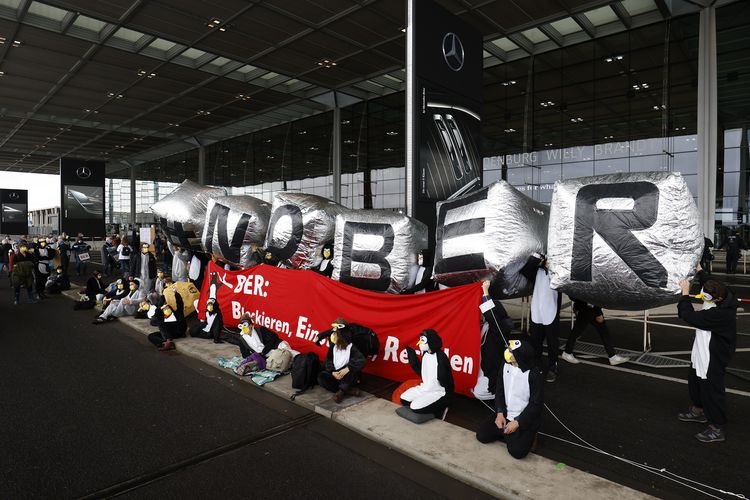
x=435 y=392
x=519 y=397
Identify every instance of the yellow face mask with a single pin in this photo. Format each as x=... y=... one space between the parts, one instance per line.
x=508 y=356
x=333 y=338
x=326 y=254
x=120 y=286
x=132 y=288
x=167 y=311
x=210 y=308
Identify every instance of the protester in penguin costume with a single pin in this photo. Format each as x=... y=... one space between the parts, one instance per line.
x=57 y=281
x=271 y=258
x=253 y=338
x=171 y=322
x=124 y=306
x=326 y=265
x=496 y=328
x=435 y=392
x=519 y=401
x=23 y=272
x=715 y=341
x=423 y=281
x=344 y=362
x=43 y=255
x=545 y=313
x=197 y=269
x=256 y=255
x=211 y=327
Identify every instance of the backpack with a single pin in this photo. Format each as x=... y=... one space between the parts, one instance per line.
x=365 y=340
x=126 y=251
x=279 y=360
x=305 y=369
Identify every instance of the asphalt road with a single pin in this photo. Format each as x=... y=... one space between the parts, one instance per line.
x=96 y=411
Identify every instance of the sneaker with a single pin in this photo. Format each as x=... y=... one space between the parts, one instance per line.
x=552 y=375
x=693 y=415
x=98 y=321
x=570 y=358
x=618 y=360
x=711 y=435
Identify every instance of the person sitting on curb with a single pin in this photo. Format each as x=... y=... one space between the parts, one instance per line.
x=715 y=341
x=435 y=392
x=343 y=364
x=57 y=282
x=120 y=305
x=587 y=314
x=253 y=338
x=519 y=401
x=171 y=322
x=211 y=327
x=95 y=287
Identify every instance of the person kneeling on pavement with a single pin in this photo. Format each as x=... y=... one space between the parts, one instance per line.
x=171 y=322
x=519 y=401
x=435 y=392
x=120 y=305
x=57 y=281
x=343 y=364
x=715 y=341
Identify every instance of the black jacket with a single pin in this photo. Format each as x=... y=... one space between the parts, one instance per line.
x=135 y=265
x=721 y=321
x=356 y=360
x=493 y=345
x=94 y=287
x=733 y=244
x=444 y=374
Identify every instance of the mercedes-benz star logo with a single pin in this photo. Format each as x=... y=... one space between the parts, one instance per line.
x=453 y=51
x=83 y=172
x=14 y=196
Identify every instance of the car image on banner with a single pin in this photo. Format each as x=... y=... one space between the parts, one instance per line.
x=14 y=212
x=84 y=202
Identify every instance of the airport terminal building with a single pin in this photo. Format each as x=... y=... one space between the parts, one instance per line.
x=262 y=97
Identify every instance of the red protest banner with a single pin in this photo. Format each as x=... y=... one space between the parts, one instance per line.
x=298 y=304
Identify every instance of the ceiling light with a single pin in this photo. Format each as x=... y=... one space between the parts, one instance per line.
x=345 y=122
x=387 y=150
x=2 y=40
x=577 y=119
x=2 y=73
x=313 y=148
x=509 y=130
x=509 y=82
x=403 y=30
x=173 y=124
x=353 y=155
x=349 y=141
x=548 y=144
x=202 y=112
x=16 y=43
x=658 y=108
x=326 y=63
x=267 y=141
x=391 y=133
x=547 y=104
x=302 y=132
x=242 y=97
x=613 y=58
x=213 y=23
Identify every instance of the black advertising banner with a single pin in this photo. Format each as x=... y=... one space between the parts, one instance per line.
x=446 y=105
x=82 y=197
x=14 y=219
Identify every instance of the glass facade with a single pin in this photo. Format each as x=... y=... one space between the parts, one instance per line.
x=620 y=103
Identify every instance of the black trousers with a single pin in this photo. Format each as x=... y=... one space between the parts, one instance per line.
x=551 y=333
x=437 y=408
x=709 y=394
x=585 y=318
x=328 y=382
x=168 y=331
x=732 y=259
x=519 y=443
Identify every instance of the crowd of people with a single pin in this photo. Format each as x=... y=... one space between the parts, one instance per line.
x=512 y=363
